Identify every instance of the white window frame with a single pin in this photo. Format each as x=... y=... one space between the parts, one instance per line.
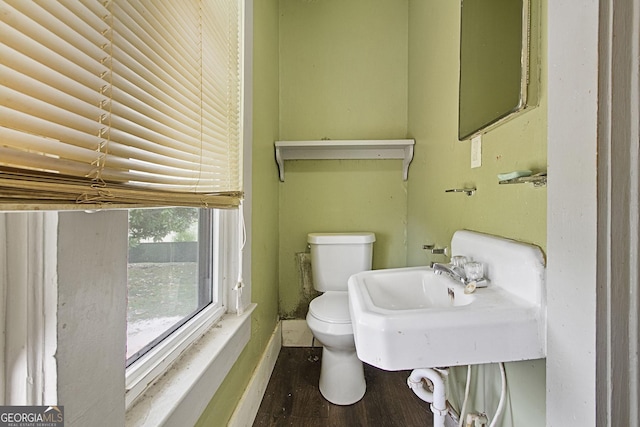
x=180 y=394
x=224 y=262
x=28 y=298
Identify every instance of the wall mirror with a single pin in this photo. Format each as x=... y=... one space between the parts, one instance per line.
x=494 y=63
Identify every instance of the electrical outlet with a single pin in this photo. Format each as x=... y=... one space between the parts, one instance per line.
x=476 y=151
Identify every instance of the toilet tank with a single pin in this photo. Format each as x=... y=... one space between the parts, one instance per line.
x=336 y=256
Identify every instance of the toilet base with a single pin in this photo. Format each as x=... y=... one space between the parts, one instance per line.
x=341 y=377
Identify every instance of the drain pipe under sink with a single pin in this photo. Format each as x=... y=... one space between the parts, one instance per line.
x=437 y=398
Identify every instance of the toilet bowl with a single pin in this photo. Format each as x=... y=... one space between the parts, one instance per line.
x=341 y=373
x=334 y=258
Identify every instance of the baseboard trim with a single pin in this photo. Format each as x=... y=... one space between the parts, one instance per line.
x=247 y=408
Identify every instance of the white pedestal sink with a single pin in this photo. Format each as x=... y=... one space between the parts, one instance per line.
x=408 y=318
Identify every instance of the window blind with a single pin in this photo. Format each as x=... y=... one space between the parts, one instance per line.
x=123 y=102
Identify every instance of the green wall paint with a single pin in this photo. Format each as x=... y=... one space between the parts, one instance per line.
x=343 y=69
x=378 y=69
x=343 y=75
x=441 y=162
x=264 y=221
x=339 y=196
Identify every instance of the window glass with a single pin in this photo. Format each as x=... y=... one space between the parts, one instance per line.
x=169 y=273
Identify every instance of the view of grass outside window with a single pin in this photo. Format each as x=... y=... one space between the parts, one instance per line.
x=169 y=278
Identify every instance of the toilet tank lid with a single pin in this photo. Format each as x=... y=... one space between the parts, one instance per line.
x=340 y=238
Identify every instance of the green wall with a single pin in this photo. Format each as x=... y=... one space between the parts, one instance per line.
x=376 y=69
x=343 y=75
x=264 y=221
x=441 y=162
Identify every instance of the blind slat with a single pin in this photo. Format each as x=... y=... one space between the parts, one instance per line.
x=26 y=35
x=28 y=124
x=29 y=142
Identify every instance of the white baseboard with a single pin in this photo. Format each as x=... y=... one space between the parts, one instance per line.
x=247 y=408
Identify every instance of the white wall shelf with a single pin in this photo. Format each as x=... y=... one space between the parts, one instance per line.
x=345 y=149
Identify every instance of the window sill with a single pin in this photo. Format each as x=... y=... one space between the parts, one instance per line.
x=180 y=396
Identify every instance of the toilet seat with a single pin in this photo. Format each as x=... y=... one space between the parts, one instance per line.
x=331 y=307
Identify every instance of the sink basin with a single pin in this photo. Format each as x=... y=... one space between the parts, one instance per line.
x=408 y=318
x=411 y=289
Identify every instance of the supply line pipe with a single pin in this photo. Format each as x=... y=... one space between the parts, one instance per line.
x=503 y=397
x=436 y=398
x=466 y=397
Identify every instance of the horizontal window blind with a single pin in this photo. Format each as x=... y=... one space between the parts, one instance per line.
x=120 y=103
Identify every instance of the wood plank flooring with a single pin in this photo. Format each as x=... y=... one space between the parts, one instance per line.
x=292 y=397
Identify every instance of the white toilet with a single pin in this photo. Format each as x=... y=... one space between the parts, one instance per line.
x=334 y=258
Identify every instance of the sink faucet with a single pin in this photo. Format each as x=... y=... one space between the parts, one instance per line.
x=456 y=273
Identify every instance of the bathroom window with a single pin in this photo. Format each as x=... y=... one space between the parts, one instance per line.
x=180 y=262
x=169 y=274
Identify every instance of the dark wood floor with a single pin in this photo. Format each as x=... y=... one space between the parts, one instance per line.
x=293 y=399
